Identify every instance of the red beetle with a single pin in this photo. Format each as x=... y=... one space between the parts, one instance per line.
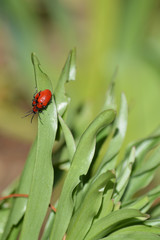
x=40 y=102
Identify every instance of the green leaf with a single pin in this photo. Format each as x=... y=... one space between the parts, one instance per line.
x=120 y=126
x=117 y=206
x=123 y=180
x=155 y=211
x=110 y=102
x=137 y=228
x=107 y=224
x=138 y=183
x=142 y=147
x=152 y=162
x=83 y=217
x=144 y=202
x=107 y=201
x=4 y=213
x=72 y=71
x=68 y=73
x=80 y=193
x=152 y=196
x=137 y=203
x=80 y=165
x=68 y=138
x=19 y=204
x=142 y=177
x=133 y=236
x=153 y=222
x=15 y=232
x=42 y=179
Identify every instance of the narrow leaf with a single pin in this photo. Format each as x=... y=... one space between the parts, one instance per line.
x=152 y=162
x=68 y=138
x=110 y=102
x=19 y=204
x=144 y=175
x=15 y=232
x=42 y=179
x=72 y=72
x=136 y=204
x=83 y=217
x=106 y=225
x=68 y=73
x=4 y=213
x=120 y=126
x=138 y=228
x=107 y=201
x=123 y=180
x=133 y=236
x=80 y=165
x=142 y=147
x=153 y=222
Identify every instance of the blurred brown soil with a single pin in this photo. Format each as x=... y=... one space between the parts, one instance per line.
x=13 y=153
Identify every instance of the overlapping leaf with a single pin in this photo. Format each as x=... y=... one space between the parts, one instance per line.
x=137 y=228
x=80 y=165
x=107 y=201
x=42 y=179
x=68 y=138
x=133 y=236
x=4 y=213
x=143 y=146
x=19 y=205
x=106 y=225
x=143 y=176
x=68 y=74
x=120 y=126
x=89 y=208
x=123 y=180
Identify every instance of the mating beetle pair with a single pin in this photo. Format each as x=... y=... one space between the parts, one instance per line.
x=40 y=102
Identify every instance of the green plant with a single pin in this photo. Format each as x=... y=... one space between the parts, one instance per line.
x=98 y=198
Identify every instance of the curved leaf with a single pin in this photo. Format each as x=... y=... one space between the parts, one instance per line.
x=19 y=204
x=142 y=147
x=120 y=126
x=15 y=232
x=68 y=73
x=107 y=201
x=80 y=165
x=133 y=236
x=4 y=213
x=137 y=204
x=138 y=228
x=106 y=225
x=42 y=179
x=123 y=180
x=151 y=163
x=143 y=176
x=110 y=102
x=153 y=222
x=83 y=217
x=68 y=138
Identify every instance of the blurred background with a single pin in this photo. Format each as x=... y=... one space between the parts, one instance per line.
x=108 y=35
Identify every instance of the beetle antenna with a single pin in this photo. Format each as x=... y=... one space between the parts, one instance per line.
x=32 y=117
x=29 y=113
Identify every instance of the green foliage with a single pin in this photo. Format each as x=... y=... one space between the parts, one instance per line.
x=99 y=197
